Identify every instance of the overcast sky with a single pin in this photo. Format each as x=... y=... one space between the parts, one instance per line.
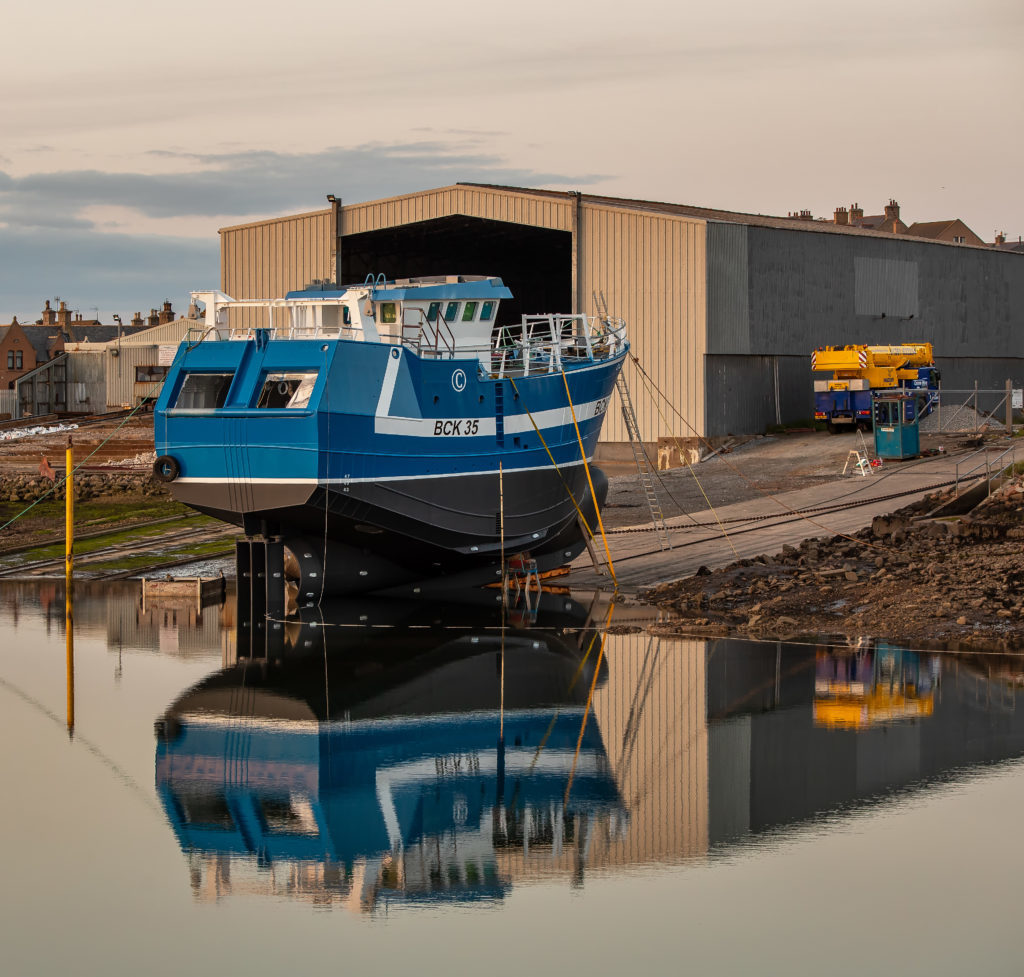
x=132 y=132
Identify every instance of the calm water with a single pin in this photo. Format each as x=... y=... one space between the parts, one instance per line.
x=348 y=794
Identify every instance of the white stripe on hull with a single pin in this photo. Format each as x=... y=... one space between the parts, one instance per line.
x=312 y=482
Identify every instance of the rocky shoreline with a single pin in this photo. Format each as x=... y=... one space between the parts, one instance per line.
x=955 y=582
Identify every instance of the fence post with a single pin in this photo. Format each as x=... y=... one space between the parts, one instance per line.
x=1009 y=407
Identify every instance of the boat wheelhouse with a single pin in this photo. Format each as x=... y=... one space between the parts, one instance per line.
x=391 y=431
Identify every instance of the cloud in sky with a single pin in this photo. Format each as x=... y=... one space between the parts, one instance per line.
x=263 y=182
x=112 y=272
x=54 y=239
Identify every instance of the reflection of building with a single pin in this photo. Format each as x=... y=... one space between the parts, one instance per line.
x=114 y=610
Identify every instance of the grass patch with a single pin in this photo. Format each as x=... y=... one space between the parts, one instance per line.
x=93 y=513
x=141 y=561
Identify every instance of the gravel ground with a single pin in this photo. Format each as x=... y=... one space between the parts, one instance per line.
x=776 y=463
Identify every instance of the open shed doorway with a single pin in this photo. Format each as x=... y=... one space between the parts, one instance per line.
x=534 y=262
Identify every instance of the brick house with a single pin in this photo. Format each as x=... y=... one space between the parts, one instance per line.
x=24 y=346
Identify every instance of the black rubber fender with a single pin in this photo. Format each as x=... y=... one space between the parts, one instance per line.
x=166 y=468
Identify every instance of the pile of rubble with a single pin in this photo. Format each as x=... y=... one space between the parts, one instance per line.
x=908 y=578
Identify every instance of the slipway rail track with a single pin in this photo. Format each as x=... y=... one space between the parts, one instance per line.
x=758 y=526
x=13 y=567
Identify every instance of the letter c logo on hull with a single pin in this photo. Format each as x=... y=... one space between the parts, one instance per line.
x=459 y=381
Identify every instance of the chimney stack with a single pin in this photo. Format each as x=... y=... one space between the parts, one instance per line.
x=137 y=319
x=892 y=211
x=856 y=215
x=166 y=313
x=1000 y=238
x=63 y=315
x=49 y=316
x=842 y=216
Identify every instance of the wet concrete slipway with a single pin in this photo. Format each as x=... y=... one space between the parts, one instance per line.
x=415 y=788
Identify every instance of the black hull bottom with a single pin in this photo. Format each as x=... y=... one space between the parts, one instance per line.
x=418 y=534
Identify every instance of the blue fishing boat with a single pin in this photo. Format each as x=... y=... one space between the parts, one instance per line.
x=391 y=431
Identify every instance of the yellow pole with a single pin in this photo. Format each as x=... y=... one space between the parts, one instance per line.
x=586 y=468
x=504 y=596
x=69 y=580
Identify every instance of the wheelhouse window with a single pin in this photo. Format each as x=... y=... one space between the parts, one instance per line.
x=469 y=312
x=290 y=390
x=388 y=312
x=346 y=315
x=451 y=313
x=204 y=391
x=432 y=311
x=486 y=311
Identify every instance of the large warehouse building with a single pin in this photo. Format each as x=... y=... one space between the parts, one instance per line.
x=723 y=308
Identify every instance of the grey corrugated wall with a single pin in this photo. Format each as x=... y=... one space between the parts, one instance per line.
x=804 y=290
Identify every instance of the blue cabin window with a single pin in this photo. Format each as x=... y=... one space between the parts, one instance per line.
x=203 y=391
x=451 y=313
x=388 y=312
x=486 y=311
x=432 y=311
x=469 y=312
x=290 y=390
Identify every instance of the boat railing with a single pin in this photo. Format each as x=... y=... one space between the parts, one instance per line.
x=550 y=343
x=544 y=343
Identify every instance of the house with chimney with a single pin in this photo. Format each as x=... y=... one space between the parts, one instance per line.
x=952 y=231
x=855 y=217
x=26 y=346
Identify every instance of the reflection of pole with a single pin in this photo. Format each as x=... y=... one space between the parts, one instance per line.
x=504 y=598
x=69 y=580
x=504 y=594
x=590 y=700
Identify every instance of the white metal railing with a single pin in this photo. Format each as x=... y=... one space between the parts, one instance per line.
x=546 y=342
x=537 y=344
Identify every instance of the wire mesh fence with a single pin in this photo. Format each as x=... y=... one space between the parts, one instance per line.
x=971 y=411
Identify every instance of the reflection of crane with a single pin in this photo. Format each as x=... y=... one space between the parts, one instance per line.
x=868 y=686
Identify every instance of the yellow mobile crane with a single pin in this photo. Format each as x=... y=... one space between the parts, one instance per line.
x=845 y=400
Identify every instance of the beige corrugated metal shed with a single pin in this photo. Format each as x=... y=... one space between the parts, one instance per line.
x=723 y=308
x=648 y=265
x=130 y=366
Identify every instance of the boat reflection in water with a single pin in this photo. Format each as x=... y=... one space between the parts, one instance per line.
x=360 y=760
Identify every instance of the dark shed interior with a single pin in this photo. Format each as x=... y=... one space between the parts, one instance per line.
x=534 y=262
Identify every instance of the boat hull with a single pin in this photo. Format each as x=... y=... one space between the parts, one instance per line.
x=372 y=536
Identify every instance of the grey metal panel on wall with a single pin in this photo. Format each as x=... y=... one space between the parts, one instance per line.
x=728 y=289
x=804 y=293
x=741 y=393
x=884 y=286
x=990 y=373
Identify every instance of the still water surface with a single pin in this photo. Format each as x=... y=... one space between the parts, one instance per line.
x=366 y=791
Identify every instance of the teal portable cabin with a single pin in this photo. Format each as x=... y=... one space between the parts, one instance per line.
x=896 y=423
